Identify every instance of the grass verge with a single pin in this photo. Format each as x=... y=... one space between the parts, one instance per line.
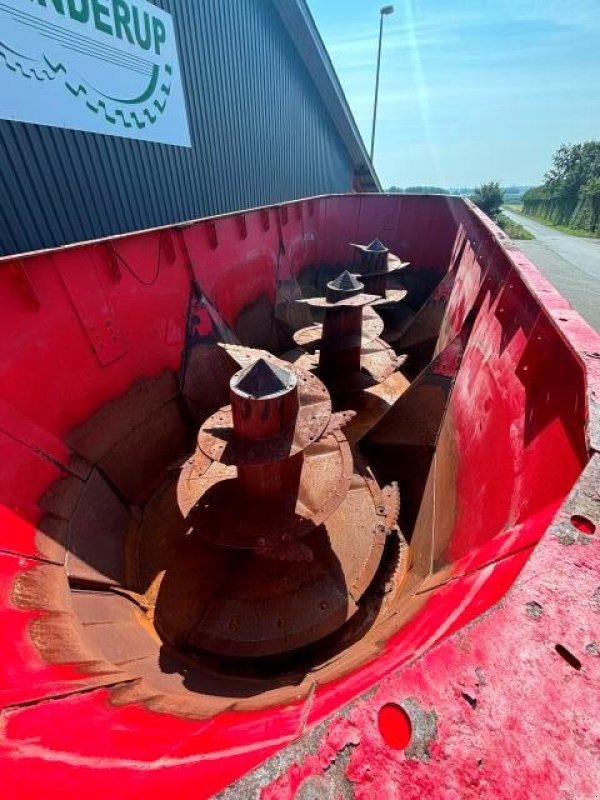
x=518 y=209
x=513 y=229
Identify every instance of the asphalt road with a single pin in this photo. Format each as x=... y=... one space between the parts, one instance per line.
x=571 y=263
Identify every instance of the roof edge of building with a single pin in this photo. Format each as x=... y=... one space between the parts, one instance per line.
x=302 y=28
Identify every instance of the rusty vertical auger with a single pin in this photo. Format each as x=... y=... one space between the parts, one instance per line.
x=376 y=265
x=350 y=352
x=286 y=532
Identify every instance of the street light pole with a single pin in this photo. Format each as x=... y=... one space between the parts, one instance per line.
x=384 y=12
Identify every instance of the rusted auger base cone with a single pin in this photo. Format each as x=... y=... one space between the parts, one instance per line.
x=285 y=532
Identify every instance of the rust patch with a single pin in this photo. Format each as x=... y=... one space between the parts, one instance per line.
x=446 y=498
x=534 y=610
x=43 y=588
x=258 y=326
x=51 y=539
x=309 y=338
x=60 y=502
x=62 y=497
x=97 y=532
x=136 y=465
x=57 y=633
x=333 y=784
x=134 y=438
x=420 y=337
x=115 y=420
x=424 y=730
x=208 y=369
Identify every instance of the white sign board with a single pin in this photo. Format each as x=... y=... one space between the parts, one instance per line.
x=106 y=66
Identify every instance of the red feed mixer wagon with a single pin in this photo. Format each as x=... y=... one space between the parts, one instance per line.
x=300 y=502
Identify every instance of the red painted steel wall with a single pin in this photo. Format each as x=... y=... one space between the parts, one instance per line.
x=80 y=325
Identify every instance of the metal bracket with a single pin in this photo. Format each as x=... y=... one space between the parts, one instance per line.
x=113 y=263
x=211 y=231
x=80 y=279
x=168 y=245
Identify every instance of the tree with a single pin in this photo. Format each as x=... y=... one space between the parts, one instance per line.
x=569 y=195
x=489 y=197
x=426 y=190
x=418 y=190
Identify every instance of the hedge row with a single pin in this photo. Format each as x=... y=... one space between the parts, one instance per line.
x=571 y=193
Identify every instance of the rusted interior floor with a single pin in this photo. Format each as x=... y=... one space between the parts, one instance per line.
x=135 y=568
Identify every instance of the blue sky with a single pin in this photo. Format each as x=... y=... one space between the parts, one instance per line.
x=470 y=90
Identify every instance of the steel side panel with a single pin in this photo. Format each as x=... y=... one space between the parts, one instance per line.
x=533 y=730
x=51 y=345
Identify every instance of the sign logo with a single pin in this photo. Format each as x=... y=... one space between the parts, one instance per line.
x=106 y=66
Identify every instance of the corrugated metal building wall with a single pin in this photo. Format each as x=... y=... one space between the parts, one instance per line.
x=268 y=122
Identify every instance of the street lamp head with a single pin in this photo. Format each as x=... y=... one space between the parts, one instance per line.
x=384 y=11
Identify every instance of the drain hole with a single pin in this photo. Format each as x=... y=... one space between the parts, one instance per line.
x=583 y=524
x=472 y=701
x=395 y=726
x=568 y=656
